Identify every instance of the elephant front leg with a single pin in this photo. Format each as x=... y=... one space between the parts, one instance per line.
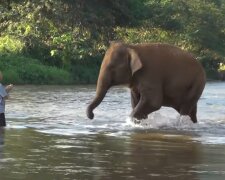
x=135 y=98
x=146 y=106
x=138 y=112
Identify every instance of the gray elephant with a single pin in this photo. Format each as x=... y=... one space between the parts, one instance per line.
x=157 y=74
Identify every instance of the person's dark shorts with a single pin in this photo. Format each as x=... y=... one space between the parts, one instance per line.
x=2 y=119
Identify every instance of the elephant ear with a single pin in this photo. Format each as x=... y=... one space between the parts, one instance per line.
x=135 y=62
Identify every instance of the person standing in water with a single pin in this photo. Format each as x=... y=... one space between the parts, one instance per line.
x=3 y=96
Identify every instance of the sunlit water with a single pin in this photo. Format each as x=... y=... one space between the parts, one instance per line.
x=48 y=136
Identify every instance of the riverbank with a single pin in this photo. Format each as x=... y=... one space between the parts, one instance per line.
x=24 y=70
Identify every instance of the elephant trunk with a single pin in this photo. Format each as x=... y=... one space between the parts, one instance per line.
x=102 y=87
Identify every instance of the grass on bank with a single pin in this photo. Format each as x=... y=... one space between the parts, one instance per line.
x=23 y=70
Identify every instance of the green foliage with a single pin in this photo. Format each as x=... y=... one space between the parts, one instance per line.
x=11 y=76
x=222 y=67
x=73 y=35
x=165 y=14
x=211 y=62
x=21 y=70
x=143 y=35
x=9 y=44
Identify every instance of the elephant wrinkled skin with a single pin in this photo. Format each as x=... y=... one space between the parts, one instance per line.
x=157 y=74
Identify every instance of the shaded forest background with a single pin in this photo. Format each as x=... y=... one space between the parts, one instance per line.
x=63 y=41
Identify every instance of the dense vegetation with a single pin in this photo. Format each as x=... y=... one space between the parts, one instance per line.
x=63 y=41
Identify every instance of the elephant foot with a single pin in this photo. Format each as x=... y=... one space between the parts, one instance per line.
x=135 y=121
x=138 y=121
x=139 y=116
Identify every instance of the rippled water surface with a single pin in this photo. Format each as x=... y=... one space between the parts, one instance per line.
x=48 y=136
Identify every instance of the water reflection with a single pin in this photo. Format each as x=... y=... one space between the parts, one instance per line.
x=2 y=134
x=165 y=157
x=142 y=155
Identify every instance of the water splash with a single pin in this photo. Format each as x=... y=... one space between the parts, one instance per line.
x=158 y=121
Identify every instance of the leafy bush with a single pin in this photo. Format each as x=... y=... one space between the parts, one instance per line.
x=211 y=62
x=10 y=44
x=21 y=70
x=222 y=67
x=72 y=35
x=11 y=76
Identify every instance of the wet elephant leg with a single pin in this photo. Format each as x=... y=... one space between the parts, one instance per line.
x=146 y=105
x=193 y=114
x=190 y=110
x=135 y=98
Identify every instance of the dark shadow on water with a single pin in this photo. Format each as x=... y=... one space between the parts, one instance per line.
x=2 y=136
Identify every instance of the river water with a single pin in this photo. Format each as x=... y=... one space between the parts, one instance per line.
x=48 y=136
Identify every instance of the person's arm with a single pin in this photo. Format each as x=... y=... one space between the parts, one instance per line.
x=9 y=88
x=4 y=91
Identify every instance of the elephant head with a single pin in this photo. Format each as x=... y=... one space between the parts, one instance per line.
x=118 y=67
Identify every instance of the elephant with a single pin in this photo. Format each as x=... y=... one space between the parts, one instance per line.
x=158 y=74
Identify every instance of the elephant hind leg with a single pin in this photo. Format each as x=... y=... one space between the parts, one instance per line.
x=193 y=113
x=190 y=110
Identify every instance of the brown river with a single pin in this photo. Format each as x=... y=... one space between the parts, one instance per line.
x=49 y=137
